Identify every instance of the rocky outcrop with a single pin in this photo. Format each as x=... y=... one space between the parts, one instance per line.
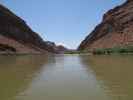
x=56 y=48
x=17 y=37
x=61 y=49
x=116 y=29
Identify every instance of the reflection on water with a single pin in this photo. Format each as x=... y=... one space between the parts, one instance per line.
x=66 y=77
x=16 y=73
x=114 y=73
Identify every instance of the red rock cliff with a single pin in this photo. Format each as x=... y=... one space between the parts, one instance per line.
x=17 y=37
x=116 y=29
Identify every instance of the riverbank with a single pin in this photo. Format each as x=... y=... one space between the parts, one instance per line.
x=114 y=50
x=105 y=51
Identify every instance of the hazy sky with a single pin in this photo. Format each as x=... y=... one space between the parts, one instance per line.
x=65 y=22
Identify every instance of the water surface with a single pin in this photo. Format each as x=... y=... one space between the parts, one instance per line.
x=66 y=77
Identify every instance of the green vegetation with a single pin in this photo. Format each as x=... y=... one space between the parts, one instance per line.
x=72 y=52
x=103 y=51
x=77 y=52
x=117 y=50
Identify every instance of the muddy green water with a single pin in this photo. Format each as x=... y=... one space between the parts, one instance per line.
x=66 y=77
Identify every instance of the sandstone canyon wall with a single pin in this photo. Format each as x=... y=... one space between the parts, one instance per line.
x=116 y=29
x=17 y=37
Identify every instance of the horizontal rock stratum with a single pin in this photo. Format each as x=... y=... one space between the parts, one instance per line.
x=116 y=29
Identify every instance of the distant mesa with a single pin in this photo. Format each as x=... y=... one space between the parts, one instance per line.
x=116 y=29
x=58 y=48
x=62 y=49
x=17 y=37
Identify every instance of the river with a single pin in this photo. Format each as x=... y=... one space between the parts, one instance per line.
x=66 y=77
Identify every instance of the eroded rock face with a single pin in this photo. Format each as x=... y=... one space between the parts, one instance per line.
x=116 y=29
x=16 y=34
x=59 y=49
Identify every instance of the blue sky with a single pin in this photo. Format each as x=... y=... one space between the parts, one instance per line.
x=65 y=22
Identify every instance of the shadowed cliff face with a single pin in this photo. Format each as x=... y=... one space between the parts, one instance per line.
x=16 y=34
x=116 y=29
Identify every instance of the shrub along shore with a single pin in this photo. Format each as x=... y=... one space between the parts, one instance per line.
x=115 y=50
x=105 y=51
